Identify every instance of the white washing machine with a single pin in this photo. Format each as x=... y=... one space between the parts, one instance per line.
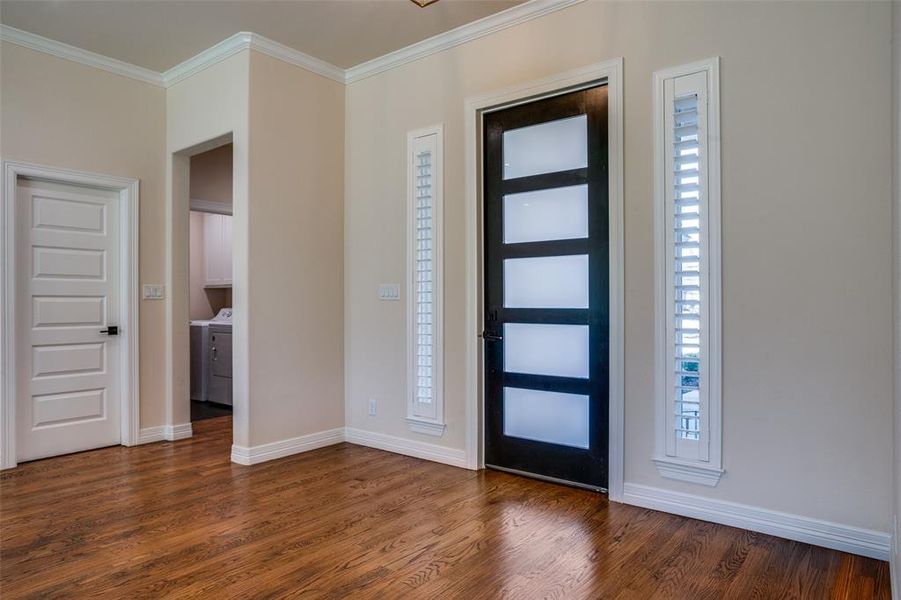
x=207 y=383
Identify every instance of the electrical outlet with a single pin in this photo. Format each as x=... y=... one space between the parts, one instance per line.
x=372 y=407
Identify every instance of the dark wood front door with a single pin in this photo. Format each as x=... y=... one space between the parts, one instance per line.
x=546 y=287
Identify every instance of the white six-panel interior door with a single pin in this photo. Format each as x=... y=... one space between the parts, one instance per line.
x=67 y=294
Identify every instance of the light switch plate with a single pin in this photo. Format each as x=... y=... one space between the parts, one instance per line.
x=153 y=292
x=389 y=291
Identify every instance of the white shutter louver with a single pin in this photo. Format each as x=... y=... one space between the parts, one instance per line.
x=686 y=268
x=424 y=214
x=423 y=277
x=688 y=380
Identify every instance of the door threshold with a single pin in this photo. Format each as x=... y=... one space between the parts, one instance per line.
x=584 y=486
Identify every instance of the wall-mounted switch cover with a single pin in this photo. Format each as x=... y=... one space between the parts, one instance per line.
x=389 y=291
x=153 y=292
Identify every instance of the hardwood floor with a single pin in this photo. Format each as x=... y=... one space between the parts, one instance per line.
x=179 y=520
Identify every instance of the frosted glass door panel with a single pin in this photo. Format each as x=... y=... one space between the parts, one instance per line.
x=546 y=282
x=546 y=148
x=552 y=214
x=550 y=417
x=559 y=350
x=546 y=273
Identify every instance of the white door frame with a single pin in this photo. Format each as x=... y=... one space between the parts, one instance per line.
x=609 y=72
x=128 y=277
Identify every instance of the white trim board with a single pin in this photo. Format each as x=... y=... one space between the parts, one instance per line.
x=611 y=73
x=252 y=455
x=167 y=433
x=219 y=208
x=398 y=445
x=33 y=41
x=130 y=299
x=265 y=452
x=207 y=58
x=855 y=540
x=244 y=40
x=455 y=37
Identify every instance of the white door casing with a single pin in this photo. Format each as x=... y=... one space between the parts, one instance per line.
x=70 y=271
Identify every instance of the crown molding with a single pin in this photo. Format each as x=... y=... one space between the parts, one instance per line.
x=244 y=40
x=33 y=41
x=228 y=47
x=296 y=58
x=209 y=57
x=520 y=13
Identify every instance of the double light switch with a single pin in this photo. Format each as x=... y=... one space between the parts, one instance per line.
x=389 y=291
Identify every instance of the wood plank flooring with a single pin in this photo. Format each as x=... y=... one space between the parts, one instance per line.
x=179 y=520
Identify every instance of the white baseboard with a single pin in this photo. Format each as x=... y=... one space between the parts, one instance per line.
x=433 y=452
x=252 y=455
x=256 y=454
x=178 y=432
x=855 y=540
x=163 y=433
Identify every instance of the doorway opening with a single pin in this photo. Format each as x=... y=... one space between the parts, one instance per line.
x=210 y=283
x=206 y=186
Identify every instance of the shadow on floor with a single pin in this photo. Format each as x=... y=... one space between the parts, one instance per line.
x=208 y=410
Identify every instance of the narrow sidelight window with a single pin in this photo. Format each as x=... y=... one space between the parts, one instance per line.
x=425 y=412
x=688 y=272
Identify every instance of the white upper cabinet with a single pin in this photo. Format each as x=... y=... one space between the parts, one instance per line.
x=217 y=250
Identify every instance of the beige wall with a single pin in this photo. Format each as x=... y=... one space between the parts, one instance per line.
x=806 y=234
x=58 y=113
x=296 y=251
x=211 y=175
x=287 y=240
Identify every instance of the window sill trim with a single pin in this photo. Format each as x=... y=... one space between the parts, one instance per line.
x=691 y=472
x=426 y=427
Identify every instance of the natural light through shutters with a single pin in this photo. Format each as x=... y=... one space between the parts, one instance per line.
x=687 y=266
x=424 y=268
x=688 y=349
x=425 y=412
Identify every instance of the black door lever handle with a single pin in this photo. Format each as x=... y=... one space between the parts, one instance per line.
x=111 y=330
x=490 y=337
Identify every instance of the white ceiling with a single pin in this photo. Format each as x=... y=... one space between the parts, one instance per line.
x=159 y=34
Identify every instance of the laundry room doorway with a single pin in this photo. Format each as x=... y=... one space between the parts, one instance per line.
x=210 y=283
